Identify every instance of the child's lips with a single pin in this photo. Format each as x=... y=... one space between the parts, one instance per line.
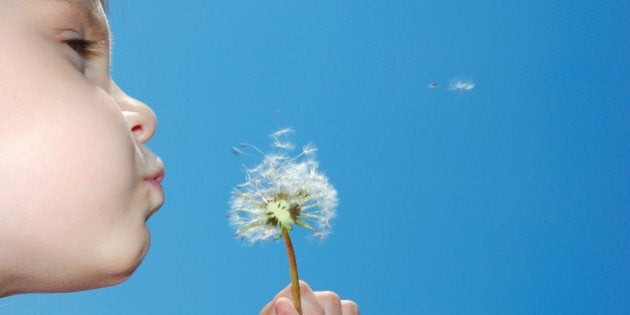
x=156 y=183
x=156 y=180
x=153 y=176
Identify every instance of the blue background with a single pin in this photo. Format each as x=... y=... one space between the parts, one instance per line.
x=510 y=198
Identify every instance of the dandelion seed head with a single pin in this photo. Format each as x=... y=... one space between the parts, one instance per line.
x=281 y=192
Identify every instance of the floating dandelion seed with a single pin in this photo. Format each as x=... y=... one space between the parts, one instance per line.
x=461 y=84
x=280 y=192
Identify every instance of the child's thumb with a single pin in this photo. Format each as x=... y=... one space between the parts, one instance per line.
x=284 y=306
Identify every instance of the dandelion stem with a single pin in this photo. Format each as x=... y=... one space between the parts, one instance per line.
x=295 y=279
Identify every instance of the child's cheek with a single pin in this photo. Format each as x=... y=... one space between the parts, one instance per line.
x=82 y=158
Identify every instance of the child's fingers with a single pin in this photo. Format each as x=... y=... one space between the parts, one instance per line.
x=349 y=307
x=334 y=306
x=279 y=306
x=310 y=302
x=313 y=303
x=282 y=303
x=284 y=306
x=330 y=302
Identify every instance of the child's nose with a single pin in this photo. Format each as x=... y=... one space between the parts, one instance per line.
x=140 y=117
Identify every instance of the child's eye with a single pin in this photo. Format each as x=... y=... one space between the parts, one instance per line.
x=82 y=46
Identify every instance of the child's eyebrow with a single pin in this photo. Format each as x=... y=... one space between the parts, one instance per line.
x=91 y=11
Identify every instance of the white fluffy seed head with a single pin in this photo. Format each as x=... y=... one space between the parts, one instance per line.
x=296 y=181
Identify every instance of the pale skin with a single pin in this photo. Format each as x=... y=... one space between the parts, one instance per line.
x=77 y=181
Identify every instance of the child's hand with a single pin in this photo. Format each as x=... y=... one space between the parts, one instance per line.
x=313 y=303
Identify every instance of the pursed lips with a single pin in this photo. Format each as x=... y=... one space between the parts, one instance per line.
x=154 y=179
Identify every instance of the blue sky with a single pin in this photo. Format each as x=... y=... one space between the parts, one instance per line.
x=510 y=198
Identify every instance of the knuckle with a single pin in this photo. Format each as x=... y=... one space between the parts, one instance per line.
x=328 y=296
x=349 y=307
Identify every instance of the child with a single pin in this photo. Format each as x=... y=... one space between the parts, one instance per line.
x=77 y=183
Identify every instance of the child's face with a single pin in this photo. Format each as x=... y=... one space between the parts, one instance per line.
x=76 y=182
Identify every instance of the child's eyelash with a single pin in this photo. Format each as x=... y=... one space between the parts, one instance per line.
x=83 y=47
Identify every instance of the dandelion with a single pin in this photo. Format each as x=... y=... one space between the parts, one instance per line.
x=281 y=192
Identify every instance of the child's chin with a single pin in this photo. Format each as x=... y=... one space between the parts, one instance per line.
x=120 y=264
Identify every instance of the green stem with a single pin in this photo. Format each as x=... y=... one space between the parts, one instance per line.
x=295 y=279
